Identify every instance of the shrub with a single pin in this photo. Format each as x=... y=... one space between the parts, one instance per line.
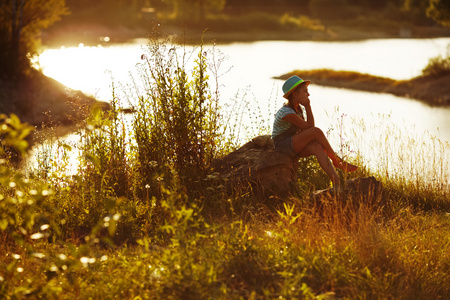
x=437 y=66
x=167 y=143
x=175 y=126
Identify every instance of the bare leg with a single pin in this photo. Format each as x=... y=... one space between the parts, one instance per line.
x=302 y=139
x=314 y=148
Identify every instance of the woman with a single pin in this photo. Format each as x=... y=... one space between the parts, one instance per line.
x=295 y=136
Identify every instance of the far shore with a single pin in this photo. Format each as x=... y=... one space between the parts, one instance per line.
x=434 y=91
x=94 y=34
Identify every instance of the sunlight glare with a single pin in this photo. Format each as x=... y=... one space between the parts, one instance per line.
x=73 y=66
x=90 y=68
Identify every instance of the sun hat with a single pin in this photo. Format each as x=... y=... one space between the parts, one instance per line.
x=291 y=84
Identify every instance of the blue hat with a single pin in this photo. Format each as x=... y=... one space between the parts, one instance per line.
x=291 y=84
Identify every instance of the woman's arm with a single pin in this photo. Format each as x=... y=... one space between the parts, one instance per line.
x=309 y=115
x=299 y=122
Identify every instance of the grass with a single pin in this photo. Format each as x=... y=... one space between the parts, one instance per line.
x=138 y=222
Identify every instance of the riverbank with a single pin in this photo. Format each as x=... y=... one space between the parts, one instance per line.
x=44 y=102
x=432 y=90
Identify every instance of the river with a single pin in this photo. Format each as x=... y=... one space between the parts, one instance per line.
x=395 y=135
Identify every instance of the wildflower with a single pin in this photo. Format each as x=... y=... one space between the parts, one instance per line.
x=54 y=268
x=37 y=236
x=38 y=255
x=45 y=227
x=87 y=260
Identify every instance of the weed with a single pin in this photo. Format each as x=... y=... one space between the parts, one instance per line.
x=143 y=202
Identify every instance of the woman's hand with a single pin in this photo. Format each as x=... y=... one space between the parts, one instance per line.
x=305 y=101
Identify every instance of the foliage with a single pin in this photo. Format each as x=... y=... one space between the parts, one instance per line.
x=436 y=10
x=437 y=66
x=327 y=9
x=20 y=25
x=439 y=10
x=143 y=204
x=176 y=125
x=196 y=10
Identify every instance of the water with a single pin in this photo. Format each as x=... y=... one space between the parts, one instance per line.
x=372 y=124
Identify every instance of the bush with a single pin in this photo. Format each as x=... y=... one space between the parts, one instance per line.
x=437 y=66
x=176 y=121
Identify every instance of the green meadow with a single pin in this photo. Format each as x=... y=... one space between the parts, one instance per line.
x=143 y=216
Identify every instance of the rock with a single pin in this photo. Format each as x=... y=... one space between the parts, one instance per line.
x=364 y=189
x=259 y=166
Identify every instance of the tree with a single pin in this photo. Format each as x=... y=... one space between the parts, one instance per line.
x=439 y=10
x=196 y=10
x=107 y=12
x=327 y=9
x=21 y=22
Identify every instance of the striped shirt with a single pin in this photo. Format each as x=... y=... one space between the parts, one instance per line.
x=280 y=125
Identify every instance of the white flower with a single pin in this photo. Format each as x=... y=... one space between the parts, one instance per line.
x=37 y=236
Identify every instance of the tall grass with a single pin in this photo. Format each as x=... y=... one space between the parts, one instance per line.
x=145 y=204
x=417 y=164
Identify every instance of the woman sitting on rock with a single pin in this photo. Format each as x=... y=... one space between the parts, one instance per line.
x=295 y=136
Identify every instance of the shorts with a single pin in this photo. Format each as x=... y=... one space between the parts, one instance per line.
x=285 y=146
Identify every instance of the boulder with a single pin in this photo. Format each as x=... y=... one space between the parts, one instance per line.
x=259 y=166
x=363 y=189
